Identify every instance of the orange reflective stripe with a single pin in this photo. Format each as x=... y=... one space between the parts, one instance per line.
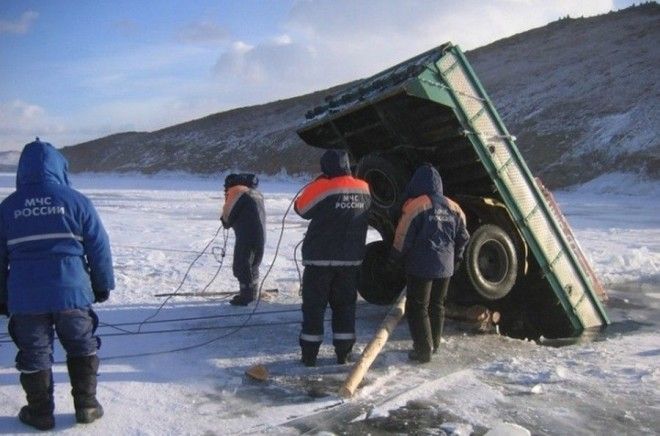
x=322 y=188
x=411 y=209
x=311 y=192
x=453 y=206
x=231 y=197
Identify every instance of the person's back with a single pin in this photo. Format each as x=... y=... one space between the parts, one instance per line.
x=338 y=206
x=430 y=237
x=438 y=236
x=50 y=233
x=55 y=261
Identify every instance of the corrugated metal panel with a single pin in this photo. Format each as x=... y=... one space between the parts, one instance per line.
x=521 y=195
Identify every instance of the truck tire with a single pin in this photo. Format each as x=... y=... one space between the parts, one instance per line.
x=387 y=181
x=374 y=283
x=491 y=262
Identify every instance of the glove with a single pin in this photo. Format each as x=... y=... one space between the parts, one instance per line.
x=224 y=224
x=3 y=309
x=457 y=264
x=101 y=296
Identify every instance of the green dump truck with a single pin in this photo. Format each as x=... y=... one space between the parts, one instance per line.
x=522 y=259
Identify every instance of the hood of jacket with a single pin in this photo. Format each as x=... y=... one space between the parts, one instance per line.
x=40 y=162
x=334 y=163
x=426 y=181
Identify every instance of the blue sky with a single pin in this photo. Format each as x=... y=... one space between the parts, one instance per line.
x=74 y=70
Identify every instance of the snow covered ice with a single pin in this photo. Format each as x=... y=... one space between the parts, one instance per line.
x=158 y=225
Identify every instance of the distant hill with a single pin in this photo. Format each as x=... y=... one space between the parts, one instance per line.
x=9 y=160
x=256 y=138
x=580 y=94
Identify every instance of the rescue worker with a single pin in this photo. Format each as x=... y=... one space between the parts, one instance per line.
x=244 y=212
x=430 y=239
x=55 y=261
x=337 y=206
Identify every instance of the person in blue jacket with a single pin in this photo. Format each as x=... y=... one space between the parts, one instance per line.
x=244 y=212
x=337 y=205
x=55 y=262
x=430 y=239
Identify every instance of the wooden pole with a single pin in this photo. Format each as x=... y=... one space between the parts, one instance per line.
x=373 y=347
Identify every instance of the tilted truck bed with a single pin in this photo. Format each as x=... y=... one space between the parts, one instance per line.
x=432 y=108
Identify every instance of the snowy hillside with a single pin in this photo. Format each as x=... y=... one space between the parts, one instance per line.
x=180 y=369
x=581 y=95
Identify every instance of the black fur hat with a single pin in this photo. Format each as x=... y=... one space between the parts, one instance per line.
x=244 y=179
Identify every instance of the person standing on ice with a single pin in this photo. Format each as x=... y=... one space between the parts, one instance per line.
x=55 y=261
x=430 y=238
x=244 y=212
x=337 y=206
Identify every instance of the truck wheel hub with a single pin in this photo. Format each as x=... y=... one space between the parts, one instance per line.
x=492 y=261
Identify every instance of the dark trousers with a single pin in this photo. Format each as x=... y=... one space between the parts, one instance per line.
x=247 y=259
x=336 y=285
x=425 y=311
x=34 y=336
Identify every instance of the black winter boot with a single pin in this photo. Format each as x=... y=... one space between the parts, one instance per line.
x=309 y=352
x=437 y=324
x=240 y=300
x=343 y=351
x=419 y=356
x=82 y=372
x=38 y=387
x=245 y=296
x=437 y=312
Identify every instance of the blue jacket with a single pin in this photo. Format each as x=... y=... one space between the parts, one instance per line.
x=431 y=234
x=54 y=251
x=338 y=206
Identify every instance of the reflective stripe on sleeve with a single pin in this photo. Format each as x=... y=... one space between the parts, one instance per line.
x=44 y=236
x=311 y=338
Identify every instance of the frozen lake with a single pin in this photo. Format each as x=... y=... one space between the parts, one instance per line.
x=184 y=372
